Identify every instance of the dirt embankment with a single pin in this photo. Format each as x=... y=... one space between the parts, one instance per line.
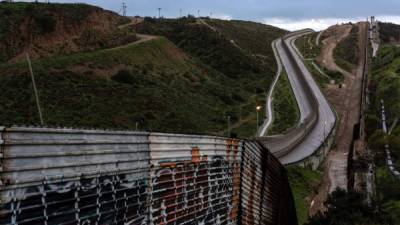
x=46 y=30
x=346 y=101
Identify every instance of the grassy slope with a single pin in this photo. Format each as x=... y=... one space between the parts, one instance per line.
x=251 y=73
x=346 y=52
x=389 y=32
x=286 y=111
x=304 y=182
x=167 y=92
x=254 y=38
x=307 y=47
x=385 y=84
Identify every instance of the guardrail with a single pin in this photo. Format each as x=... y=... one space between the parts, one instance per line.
x=67 y=176
x=286 y=142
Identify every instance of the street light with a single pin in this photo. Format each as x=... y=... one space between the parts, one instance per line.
x=258 y=109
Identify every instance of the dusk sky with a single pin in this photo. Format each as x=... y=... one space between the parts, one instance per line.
x=288 y=14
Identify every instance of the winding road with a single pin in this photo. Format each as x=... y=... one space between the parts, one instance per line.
x=317 y=119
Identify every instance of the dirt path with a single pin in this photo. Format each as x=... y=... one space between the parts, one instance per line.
x=347 y=104
x=134 y=21
x=336 y=35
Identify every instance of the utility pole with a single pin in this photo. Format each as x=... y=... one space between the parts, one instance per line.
x=198 y=13
x=159 y=13
x=35 y=89
x=180 y=13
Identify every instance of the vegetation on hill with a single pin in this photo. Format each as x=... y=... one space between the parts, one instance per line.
x=346 y=53
x=46 y=30
x=151 y=83
x=286 y=111
x=385 y=85
x=310 y=51
x=307 y=47
x=211 y=48
x=304 y=183
x=189 y=85
x=253 y=38
x=350 y=208
x=389 y=33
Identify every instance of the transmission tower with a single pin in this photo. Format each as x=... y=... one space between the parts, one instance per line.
x=159 y=12
x=124 y=7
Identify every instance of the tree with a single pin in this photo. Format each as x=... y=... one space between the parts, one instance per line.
x=349 y=208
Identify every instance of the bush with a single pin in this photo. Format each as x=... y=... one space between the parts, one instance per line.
x=349 y=208
x=124 y=76
x=45 y=23
x=149 y=19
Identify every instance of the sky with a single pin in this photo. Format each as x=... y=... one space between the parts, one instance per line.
x=287 y=14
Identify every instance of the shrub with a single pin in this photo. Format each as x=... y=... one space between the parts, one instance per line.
x=45 y=23
x=349 y=208
x=124 y=76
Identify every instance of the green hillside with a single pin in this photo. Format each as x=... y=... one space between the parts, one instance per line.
x=146 y=83
x=389 y=33
x=385 y=85
x=346 y=52
x=188 y=81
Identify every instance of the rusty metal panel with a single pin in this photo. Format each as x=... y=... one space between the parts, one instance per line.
x=63 y=176
x=252 y=183
x=195 y=179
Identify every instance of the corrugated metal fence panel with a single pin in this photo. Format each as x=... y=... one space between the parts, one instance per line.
x=195 y=179
x=62 y=176
x=252 y=183
x=276 y=193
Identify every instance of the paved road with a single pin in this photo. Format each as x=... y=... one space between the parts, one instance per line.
x=303 y=142
x=317 y=40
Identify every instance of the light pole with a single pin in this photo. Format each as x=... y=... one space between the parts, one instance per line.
x=258 y=109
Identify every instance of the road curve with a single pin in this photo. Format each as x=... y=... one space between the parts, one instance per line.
x=317 y=119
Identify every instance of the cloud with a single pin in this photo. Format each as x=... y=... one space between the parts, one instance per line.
x=222 y=17
x=320 y=23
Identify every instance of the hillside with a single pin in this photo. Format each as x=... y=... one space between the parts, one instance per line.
x=253 y=38
x=346 y=53
x=385 y=85
x=55 y=29
x=187 y=82
x=389 y=33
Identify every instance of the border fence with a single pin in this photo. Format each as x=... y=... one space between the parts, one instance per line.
x=67 y=176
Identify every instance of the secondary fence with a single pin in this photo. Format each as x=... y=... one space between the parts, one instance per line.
x=67 y=176
x=281 y=145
